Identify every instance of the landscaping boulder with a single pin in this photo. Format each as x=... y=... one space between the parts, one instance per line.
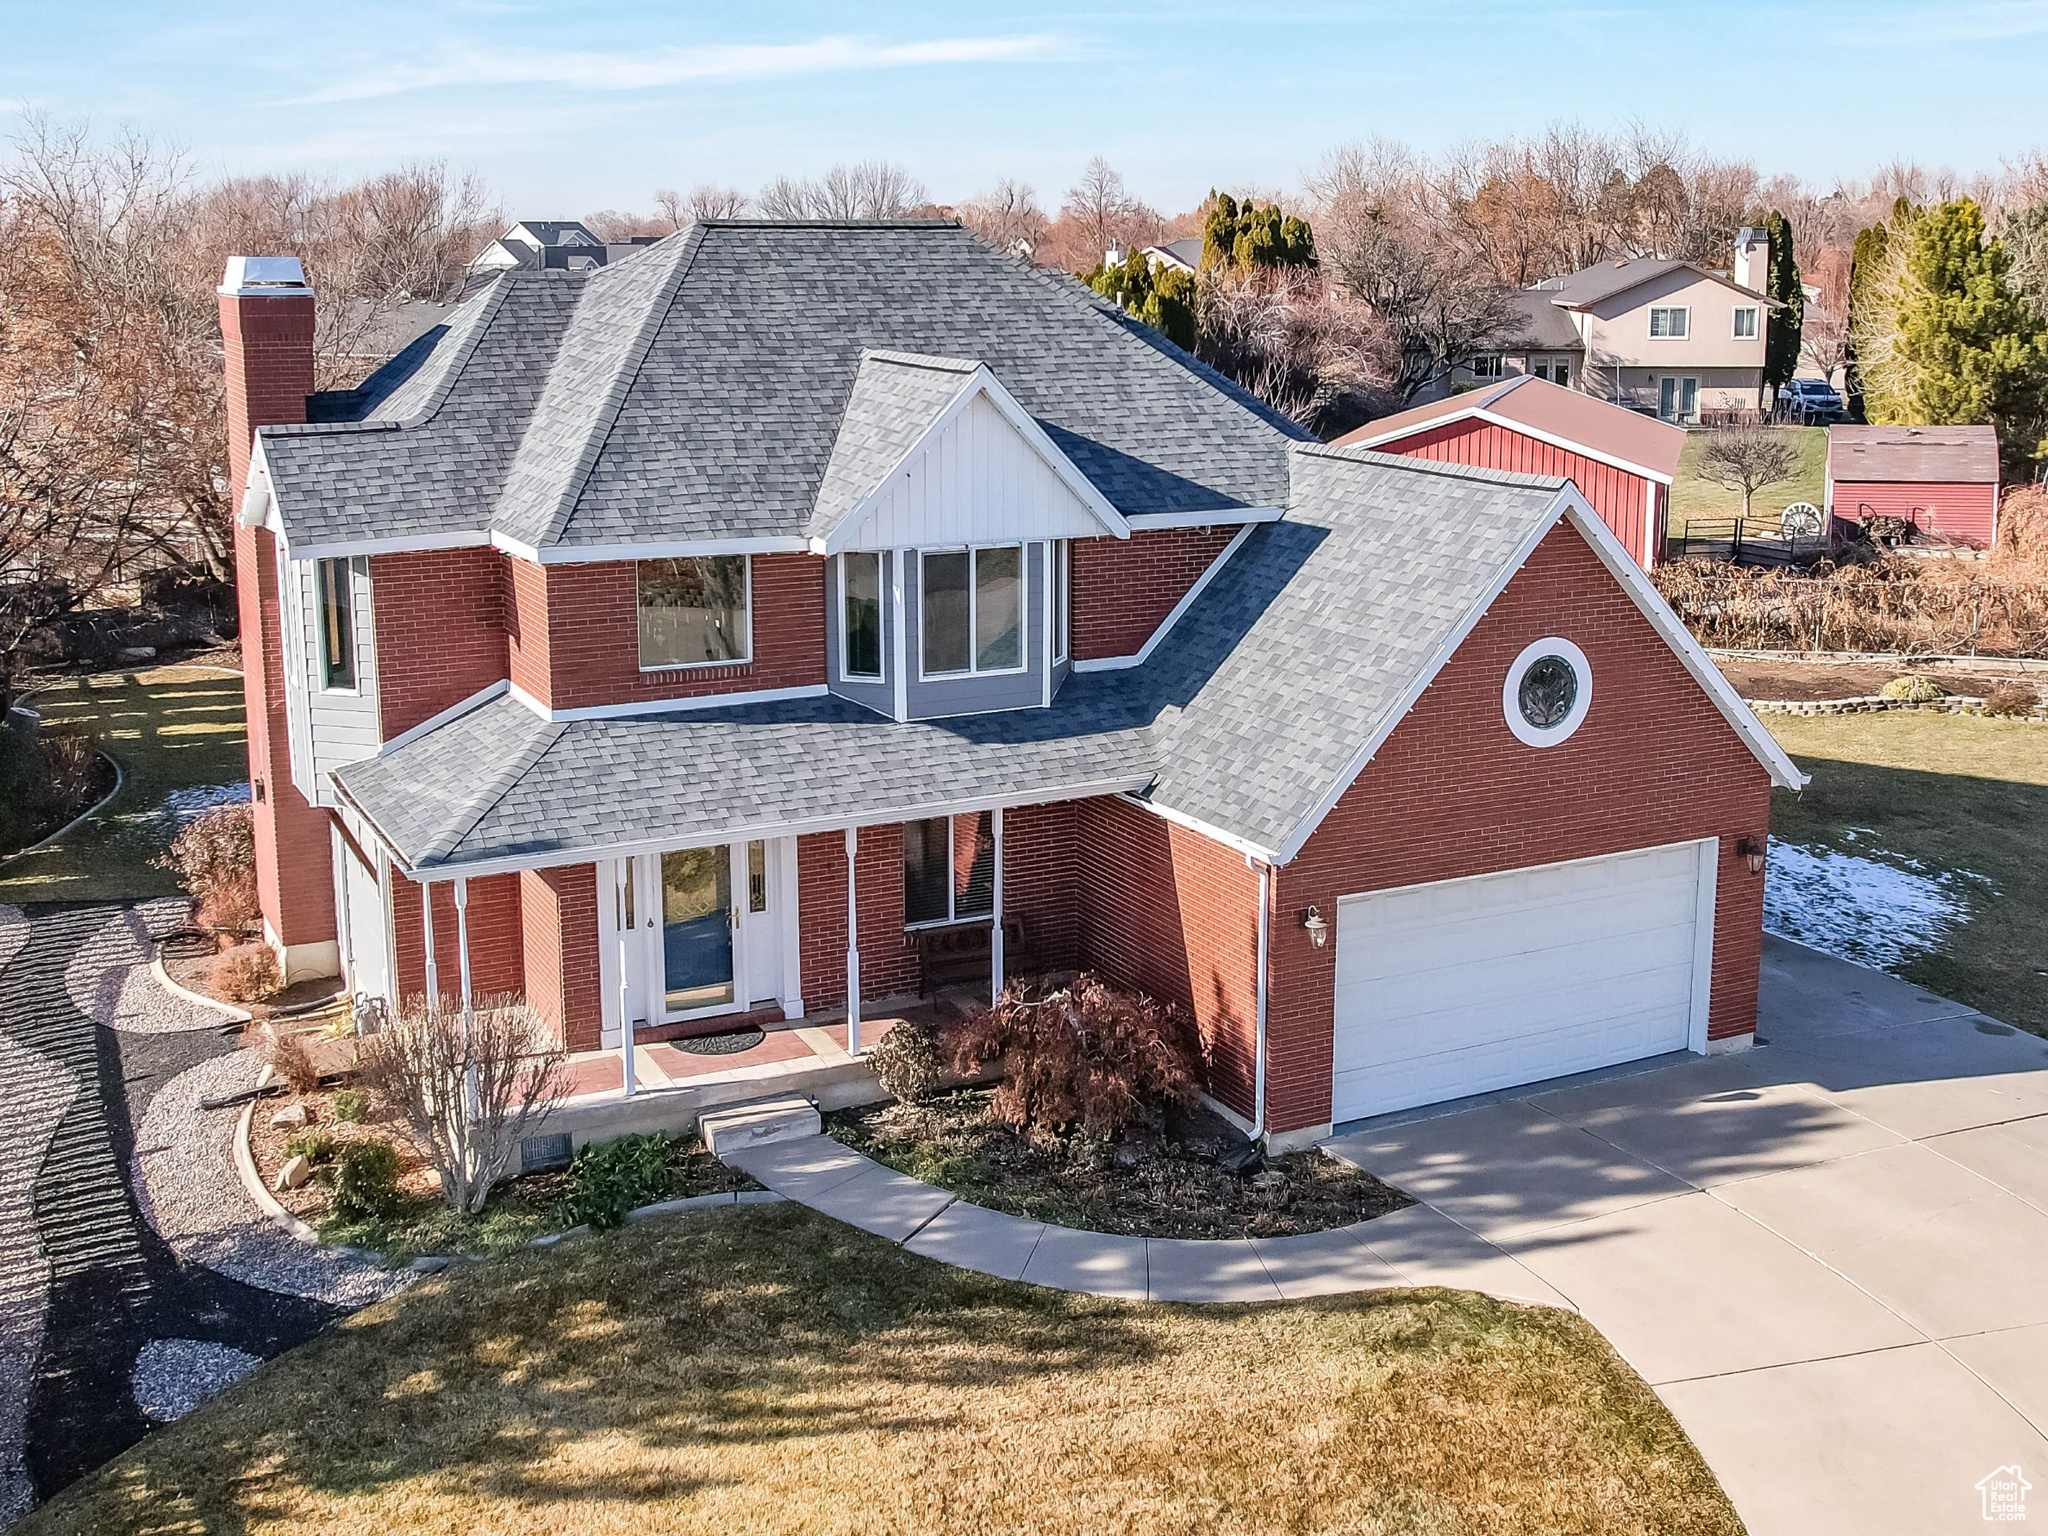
x=295 y=1172
x=292 y=1117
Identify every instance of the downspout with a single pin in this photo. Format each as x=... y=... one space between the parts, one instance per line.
x=1265 y=873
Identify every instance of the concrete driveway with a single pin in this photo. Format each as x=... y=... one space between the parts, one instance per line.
x=1828 y=1255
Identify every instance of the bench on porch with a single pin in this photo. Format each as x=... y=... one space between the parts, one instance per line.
x=957 y=954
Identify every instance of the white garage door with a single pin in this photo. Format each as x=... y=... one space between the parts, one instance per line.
x=1469 y=985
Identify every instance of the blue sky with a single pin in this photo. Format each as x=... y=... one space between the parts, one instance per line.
x=570 y=107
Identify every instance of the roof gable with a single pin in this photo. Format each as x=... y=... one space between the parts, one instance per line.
x=1565 y=418
x=935 y=451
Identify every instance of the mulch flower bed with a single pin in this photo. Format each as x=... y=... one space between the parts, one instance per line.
x=1171 y=1181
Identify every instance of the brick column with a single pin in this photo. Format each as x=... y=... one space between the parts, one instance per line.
x=266 y=327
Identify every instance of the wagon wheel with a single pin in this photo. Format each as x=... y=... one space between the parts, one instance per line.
x=1801 y=520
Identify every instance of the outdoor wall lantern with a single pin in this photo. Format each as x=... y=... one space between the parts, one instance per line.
x=1753 y=851
x=1318 y=930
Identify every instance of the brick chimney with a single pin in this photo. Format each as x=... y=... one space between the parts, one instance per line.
x=266 y=329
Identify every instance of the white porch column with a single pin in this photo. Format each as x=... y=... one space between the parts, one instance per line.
x=852 y=943
x=469 y=1096
x=995 y=940
x=623 y=908
x=427 y=936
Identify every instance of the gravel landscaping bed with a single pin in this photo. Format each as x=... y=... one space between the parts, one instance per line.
x=1174 y=1182
x=192 y=1196
x=111 y=982
x=13 y=934
x=171 y=1377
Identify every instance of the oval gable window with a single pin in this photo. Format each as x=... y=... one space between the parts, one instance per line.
x=1546 y=692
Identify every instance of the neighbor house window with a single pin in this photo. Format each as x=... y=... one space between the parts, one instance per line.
x=1488 y=367
x=973 y=608
x=1745 y=322
x=949 y=869
x=1672 y=323
x=860 y=614
x=337 y=624
x=1062 y=581
x=1560 y=372
x=693 y=612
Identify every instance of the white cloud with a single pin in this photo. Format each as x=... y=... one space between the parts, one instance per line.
x=649 y=69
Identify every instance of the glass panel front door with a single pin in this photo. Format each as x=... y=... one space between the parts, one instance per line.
x=696 y=928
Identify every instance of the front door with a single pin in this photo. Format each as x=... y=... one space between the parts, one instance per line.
x=697 y=931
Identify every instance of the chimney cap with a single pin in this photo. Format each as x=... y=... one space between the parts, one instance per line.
x=269 y=276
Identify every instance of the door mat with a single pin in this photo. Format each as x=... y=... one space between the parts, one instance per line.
x=721 y=1045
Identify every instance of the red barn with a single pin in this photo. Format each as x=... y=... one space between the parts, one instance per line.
x=1942 y=480
x=1622 y=461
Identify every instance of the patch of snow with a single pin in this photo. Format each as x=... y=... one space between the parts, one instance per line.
x=1876 y=913
x=173 y=1376
x=182 y=806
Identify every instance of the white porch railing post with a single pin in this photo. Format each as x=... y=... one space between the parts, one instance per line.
x=852 y=944
x=995 y=940
x=427 y=937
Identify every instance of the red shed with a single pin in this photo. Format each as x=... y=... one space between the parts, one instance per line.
x=1942 y=480
x=1622 y=461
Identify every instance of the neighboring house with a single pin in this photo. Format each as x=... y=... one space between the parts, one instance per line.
x=1942 y=480
x=699 y=634
x=1184 y=254
x=559 y=244
x=1623 y=462
x=1663 y=337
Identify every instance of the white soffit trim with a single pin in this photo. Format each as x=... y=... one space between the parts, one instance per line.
x=1508 y=423
x=669 y=549
x=1215 y=834
x=753 y=833
x=399 y=544
x=665 y=706
x=453 y=712
x=981 y=383
x=1220 y=517
x=1119 y=663
x=1784 y=772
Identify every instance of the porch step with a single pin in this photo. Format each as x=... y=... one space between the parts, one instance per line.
x=736 y=1127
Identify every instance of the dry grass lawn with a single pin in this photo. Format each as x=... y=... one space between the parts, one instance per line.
x=763 y=1369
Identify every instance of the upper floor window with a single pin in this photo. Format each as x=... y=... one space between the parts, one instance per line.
x=1062 y=584
x=1489 y=367
x=1673 y=322
x=337 y=624
x=973 y=610
x=1745 y=322
x=694 y=611
x=860 y=613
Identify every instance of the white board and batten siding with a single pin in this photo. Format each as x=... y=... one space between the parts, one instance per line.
x=975 y=481
x=329 y=727
x=1495 y=981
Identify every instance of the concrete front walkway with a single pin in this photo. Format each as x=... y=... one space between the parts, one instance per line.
x=1829 y=1256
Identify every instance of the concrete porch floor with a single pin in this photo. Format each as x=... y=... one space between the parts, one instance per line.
x=786 y=1051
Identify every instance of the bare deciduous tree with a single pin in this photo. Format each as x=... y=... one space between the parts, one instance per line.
x=1747 y=459
x=467 y=1085
x=872 y=189
x=1287 y=335
x=1008 y=217
x=704 y=201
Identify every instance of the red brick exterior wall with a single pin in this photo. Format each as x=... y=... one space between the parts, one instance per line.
x=1125 y=588
x=558 y=913
x=888 y=964
x=575 y=635
x=1039 y=859
x=497 y=937
x=1453 y=793
x=440 y=619
x=267 y=350
x=1175 y=914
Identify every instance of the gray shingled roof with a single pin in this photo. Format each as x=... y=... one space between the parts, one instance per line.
x=1291 y=660
x=696 y=392
x=896 y=397
x=1545 y=327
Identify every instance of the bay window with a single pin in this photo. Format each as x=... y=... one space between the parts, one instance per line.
x=973 y=610
x=860 y=614
x=694 y=611
x=337 y=624
x=1062 y=581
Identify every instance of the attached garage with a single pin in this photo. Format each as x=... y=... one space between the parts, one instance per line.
x=1464 y=986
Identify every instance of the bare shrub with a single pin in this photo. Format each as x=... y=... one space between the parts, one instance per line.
x=285 y=1052
x=909 y=1062
x=467 y=1086
x=1085 y=1054
x=2011 y=699
x=1923 y=608
x=246 y=973
x=2023 y=531
x=214 y=858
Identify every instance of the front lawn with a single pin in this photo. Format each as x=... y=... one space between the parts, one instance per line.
x=765 y=1369
x=1919 y=811
x=177 y=734
x=1702 y=500
x=1166 y=1184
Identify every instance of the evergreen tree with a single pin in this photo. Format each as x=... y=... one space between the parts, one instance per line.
x=1781 y=347
x=1863 y=261
x=1254 y=235
x=1978 y=349
x=1163 y=297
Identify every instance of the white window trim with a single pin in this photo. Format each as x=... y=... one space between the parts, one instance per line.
x=1670 y=309
x=1511 y=687
x=1060 y=571
x=952 y=913
x=846 y=672
x=1735 y=330
x=1497 y=366
x=355 y=639
x=698 y=666
x=973 y=552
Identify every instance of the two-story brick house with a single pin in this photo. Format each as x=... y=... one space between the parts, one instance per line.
x=676 y=643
